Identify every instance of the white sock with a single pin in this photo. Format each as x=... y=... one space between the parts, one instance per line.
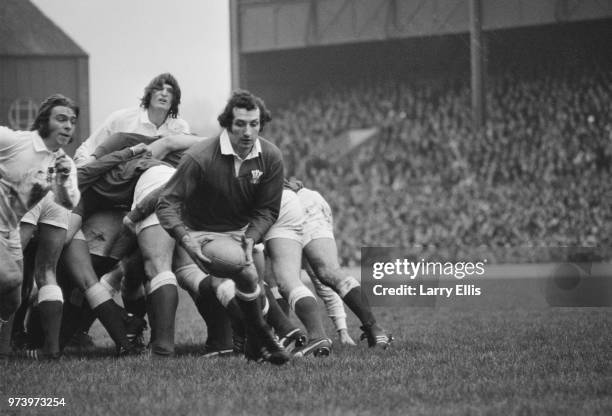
x=345 y=286
x=50 y=293
x=226 y=291
x=189 y=278
x=97 y=295
x=248 y=296
x=162 y=279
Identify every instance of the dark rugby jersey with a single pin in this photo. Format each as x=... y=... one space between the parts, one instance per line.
x=205 y=194
x=109 y=181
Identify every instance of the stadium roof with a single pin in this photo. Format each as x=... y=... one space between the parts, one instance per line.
x=26 y=31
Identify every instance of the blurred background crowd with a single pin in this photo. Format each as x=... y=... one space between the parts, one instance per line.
x=536 y=175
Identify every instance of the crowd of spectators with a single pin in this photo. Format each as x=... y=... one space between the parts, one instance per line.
x=535 y=175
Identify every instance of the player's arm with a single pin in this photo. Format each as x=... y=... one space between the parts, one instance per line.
x=119 y=141
x=65 y=184
x=86 y=149
x=143 y=209
x=180 y=186
x=174 y=143
x=7 y=137
x=91 y=172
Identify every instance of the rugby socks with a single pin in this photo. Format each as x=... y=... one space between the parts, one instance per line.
x=112 y=280
x=333 y=304
x=281 y=301
x=250 y=306
x=74 y=309
x=189 y=277
x=350 y=292
x=304 y=304
x=226 y=294
x=50 y=305
x=276 y=317
x=109 y=313
x=163 y=294
x=218 y=325
x=133 y=292
x=134 y=300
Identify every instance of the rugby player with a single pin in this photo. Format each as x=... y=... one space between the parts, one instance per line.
x=321 y=254
x=31 y=164
x=230 y=185
x=156 y=119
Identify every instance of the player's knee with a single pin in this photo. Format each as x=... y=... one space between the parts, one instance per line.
x=328 y=275
x=248 y=277
x=46 y=275
x=154 y=266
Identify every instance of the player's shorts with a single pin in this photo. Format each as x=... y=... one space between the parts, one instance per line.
x=101 y=230
x=149 y=181
x=47 y=211
x=290 y=222
x=11 y=244
x=201 y=236
x=319 y=222
x=9 y=228
x=8 y=218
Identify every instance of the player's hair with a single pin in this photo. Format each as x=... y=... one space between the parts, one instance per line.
x=41 y=122
x=244 y=99
x=157 y=83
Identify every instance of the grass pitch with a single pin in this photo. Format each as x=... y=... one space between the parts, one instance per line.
x=444 y=361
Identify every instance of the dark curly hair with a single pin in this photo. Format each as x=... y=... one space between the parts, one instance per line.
x=244 y=99
x=157 y=83
x=41 y=122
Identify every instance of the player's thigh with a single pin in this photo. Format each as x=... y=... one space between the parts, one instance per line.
x=322 y=255
x=157 y=248
x=11 y=262
x=285 y=261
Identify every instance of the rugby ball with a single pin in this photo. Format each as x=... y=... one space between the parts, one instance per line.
x=226 y=255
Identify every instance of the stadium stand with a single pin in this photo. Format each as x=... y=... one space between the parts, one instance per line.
x=535 y=175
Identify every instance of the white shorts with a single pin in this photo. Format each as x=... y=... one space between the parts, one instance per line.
x=11 y=241
x=319 y=222
x=290 y=222
x=149 y=181
x=47 y=211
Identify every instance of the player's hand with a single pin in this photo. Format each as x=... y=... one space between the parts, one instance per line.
x=62 y=168
x=139 y=149
x=247 y=245
x=345 y=338
x=192 y=248
x=128 y=226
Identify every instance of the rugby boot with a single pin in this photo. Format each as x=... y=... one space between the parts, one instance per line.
x=270 y=348
x=293 y=339
x=319 y=347
x=134 y=328
x=376 y=336
x=133 y=349
x=36 y=354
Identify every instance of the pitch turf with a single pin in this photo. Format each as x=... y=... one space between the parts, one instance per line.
x=519 y=360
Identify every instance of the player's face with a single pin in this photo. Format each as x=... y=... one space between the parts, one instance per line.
x=62 y=123
x=161 y=98
x=245 y=130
